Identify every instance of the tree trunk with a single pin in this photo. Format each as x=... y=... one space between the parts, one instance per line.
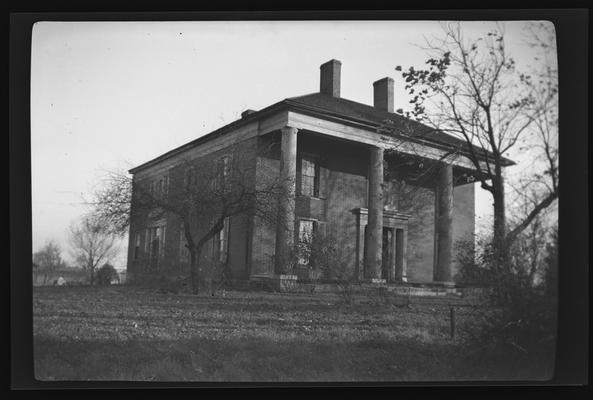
x=194 y=262
x=499 y=248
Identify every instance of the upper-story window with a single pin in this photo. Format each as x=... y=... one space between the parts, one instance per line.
x=183 y=250
x=164 y=186
x=223 y=171
x=158 y=188
x=309 y=177
x=225 y=165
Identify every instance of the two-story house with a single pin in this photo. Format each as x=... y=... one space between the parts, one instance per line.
x=395 y=194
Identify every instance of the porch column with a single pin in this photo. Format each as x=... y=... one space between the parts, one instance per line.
x=444 y=224
x=286 y=203
x=374 y=237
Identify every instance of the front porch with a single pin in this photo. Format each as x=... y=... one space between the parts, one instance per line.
x=392 y=214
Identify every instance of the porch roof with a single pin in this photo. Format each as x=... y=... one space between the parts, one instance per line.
x=359 y=112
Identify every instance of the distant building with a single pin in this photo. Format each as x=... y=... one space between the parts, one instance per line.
x=334 y=149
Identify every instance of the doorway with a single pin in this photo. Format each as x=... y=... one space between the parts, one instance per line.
x=399 y=255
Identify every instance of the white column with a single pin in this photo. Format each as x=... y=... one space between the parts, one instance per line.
x=444 y=224
x=375 y=224
x=286 y=204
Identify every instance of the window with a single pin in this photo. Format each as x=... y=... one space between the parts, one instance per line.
x=156 y=189
x=309 y=177
x=221 y=243
x=155 y=244
x=137 y=246
x=165 y=186
x=162 y=237
x=226 y=167
x=307 y=230
x=153 y=235
x=223 y=170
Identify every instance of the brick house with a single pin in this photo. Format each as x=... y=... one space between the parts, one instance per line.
x=337 y=152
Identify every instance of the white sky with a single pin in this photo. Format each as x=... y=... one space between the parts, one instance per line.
x=116 y=94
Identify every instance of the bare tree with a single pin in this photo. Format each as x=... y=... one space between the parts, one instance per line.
x=91 y=244
x=111 y=203
x=47 y=260
x=472 y=90
x=536 y=191
x=212 y=191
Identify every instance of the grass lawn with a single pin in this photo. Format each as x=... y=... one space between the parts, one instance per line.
x=136 y=334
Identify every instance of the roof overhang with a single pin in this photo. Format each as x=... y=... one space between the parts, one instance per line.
x=368 y=135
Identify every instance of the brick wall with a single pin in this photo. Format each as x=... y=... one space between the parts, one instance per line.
x=171 y=264
x=420 y=252
x=346 y=190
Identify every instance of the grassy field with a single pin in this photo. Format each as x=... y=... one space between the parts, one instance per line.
x=136 y=334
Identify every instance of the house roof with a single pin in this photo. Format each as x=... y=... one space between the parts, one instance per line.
x=364 y=113
x=326 y=106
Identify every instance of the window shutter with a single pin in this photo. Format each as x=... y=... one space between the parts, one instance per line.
x=321 y=228
x=299 y=176
x=323 y=179
x=162 y=249
x=147 y=242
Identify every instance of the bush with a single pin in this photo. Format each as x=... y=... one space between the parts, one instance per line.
x=106 y=274
x=526 y=317
x=327 y=264
x=214 y=275
x=474 y=266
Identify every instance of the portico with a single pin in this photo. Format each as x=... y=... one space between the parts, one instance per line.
x=375 y=225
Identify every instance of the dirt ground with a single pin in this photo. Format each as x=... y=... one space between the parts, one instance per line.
x=139 y=334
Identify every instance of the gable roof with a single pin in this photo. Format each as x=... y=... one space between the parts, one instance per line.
x=327 y=106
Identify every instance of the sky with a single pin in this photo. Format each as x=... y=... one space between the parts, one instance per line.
x=109 y=95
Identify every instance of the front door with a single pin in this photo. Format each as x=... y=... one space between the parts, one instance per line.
x=399 y=255
x=387 y=254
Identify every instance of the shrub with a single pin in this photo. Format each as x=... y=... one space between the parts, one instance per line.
x=214 y=275
x=327 y=261
x=526 y=316
x=106 y=274
x=474 y=266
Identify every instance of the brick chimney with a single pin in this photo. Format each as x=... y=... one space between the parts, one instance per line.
x=330 y=78
x=247 y=113
x=383 y=94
